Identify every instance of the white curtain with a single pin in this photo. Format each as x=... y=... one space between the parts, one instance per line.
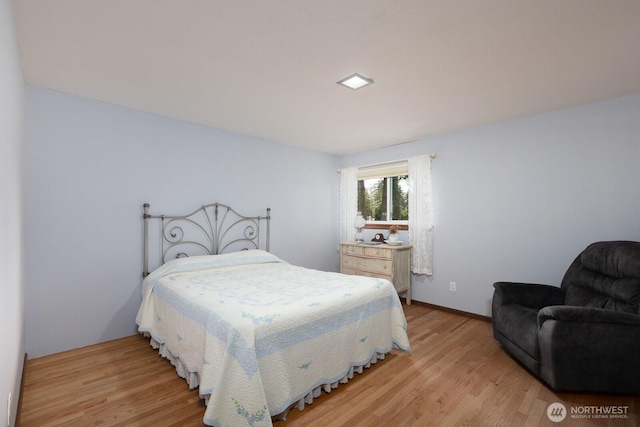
x=348 y=203
x=421 y=215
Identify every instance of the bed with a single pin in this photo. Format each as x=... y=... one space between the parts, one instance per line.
x=256 y=335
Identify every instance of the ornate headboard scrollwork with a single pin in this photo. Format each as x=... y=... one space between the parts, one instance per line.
x=209 y=230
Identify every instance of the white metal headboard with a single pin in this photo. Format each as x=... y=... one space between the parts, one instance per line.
x=209 y=230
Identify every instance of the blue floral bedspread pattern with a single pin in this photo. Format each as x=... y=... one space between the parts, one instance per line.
x=260 y=334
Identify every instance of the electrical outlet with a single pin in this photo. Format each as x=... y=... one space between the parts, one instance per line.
x=452 y=286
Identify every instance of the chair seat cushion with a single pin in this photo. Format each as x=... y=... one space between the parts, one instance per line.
x=519 y=325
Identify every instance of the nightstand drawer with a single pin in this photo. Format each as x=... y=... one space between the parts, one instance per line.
x=373 y=265
x=353 y=250
x=377 y=252
x=401 y=287
x=367 y=274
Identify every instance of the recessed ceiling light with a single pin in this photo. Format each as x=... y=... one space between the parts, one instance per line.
x=355 y=81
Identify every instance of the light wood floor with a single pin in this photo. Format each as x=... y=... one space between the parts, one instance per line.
x=455 y=374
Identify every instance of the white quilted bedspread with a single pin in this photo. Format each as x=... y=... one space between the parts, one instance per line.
x=257 y=334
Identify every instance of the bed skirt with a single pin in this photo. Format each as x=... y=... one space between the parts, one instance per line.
x=193 y=380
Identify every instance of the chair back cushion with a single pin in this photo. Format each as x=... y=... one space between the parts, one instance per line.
x=605 y=275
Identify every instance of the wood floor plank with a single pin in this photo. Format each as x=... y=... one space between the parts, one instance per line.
x=454 y=375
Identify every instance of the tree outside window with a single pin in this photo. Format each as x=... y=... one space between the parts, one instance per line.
x=384 y=199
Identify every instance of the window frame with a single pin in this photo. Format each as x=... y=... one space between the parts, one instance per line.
x=385 y=170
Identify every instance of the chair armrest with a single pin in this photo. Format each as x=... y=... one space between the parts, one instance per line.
x=530 y=295
x=568 y=313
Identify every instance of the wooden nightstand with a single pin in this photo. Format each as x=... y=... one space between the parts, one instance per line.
x=383 y=261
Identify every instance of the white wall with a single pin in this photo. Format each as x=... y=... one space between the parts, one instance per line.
x=11 y=271
x=518 y=200
x=91 y=166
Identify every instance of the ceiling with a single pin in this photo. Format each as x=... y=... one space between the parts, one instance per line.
x=269 y=68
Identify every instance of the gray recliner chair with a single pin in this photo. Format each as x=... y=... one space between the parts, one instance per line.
x=585 y=334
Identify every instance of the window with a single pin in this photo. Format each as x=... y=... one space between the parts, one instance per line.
x=420 y=221
x=382 y=194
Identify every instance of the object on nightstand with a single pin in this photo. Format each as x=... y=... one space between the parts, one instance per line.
x=394 y=237
x=359 y=224
x=379 y=237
